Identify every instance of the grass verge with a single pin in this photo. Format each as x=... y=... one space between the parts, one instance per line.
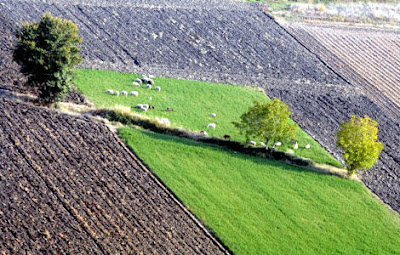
x=259 y=206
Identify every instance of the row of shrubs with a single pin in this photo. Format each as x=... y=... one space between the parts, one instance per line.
x=123 y=115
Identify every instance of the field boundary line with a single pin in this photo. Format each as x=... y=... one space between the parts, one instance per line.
x=303 y=45
x=170 y=193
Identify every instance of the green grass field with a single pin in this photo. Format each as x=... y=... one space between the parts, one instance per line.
x=192 y=101
x=258 y=206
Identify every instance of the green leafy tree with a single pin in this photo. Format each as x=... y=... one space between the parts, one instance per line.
x=358 y=140
x=47 y=52
x=269 y=121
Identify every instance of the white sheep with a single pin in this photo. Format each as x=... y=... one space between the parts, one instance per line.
x=252 y=143
x=124 y=93
x=144 y=77
x=262 y=144
x=213 y=115
x=143 y=107
x=158 y=88
x=308 y=146
x=295 y=146
x=110 y=91
x=138 y=80
x=212 y=125
x=136 y=84
x=278 y=144
x=117 y=93
x=134 y=93
x=151 y=76
x=148 y=86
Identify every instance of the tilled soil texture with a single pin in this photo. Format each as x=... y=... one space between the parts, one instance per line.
x=209 y=40
x=10 y=76
x=368 y=58
x=68 y=185
x=233 y=43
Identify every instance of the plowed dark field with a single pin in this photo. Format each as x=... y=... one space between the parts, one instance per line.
x=201 y=39
x=68 y=185
x=227 y=42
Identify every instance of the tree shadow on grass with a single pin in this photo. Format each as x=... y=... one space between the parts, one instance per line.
x=228 y=152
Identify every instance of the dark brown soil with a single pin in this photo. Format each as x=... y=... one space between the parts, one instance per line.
x=68 y=185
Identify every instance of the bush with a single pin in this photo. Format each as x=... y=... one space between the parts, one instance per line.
x=47 y=52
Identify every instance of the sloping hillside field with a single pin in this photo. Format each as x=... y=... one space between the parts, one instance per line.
x=192 y=102
x=207 y=40
x=67 y=185
x=260 y=206
x=228 y=42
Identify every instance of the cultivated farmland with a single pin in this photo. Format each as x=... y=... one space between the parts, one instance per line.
x=368 y=58
x=68 y=184
x=232 y=43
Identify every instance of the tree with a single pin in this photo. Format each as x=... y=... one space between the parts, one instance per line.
x=269 y=121
x=47 y=52
x=358 y=140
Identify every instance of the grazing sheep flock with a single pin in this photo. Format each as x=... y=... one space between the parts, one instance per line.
x=148 y=82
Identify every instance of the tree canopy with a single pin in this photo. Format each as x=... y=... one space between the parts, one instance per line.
x=269 y=121
x=47 y=52
x=358 y=140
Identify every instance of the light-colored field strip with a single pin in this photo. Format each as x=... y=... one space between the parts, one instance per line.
x=369 y=58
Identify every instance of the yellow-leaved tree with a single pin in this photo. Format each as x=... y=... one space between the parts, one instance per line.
x=358 y=140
